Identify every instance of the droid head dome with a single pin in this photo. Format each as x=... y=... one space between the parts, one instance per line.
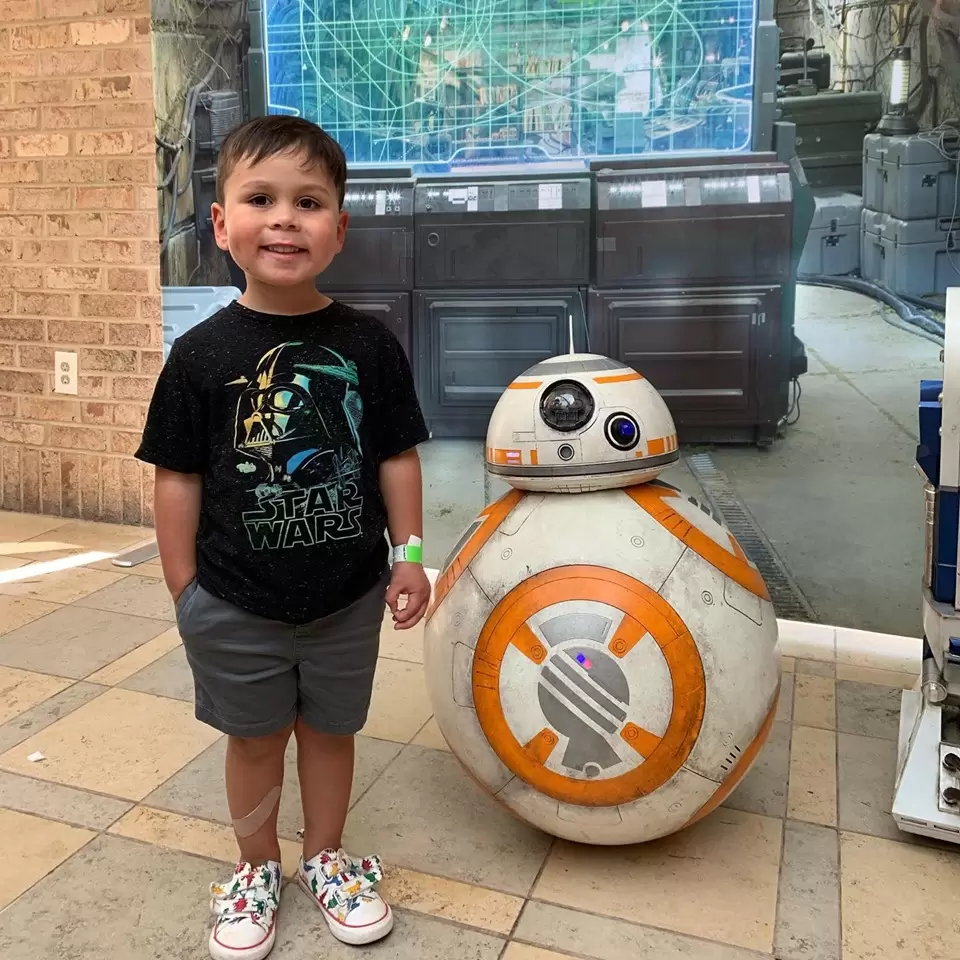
x=580 y=422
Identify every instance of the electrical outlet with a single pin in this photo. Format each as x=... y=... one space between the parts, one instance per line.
x=65 y=372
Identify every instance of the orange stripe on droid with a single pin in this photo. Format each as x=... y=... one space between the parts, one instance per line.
x=653 y=498
x=648 y=614
x=618 y=377
x=525 y=385
x=627 y=636
x=525 y=640
x=541 y=746
x=656 y=446
x=643 y=741
x=493 y=516
x=534 y=457
x=742 y=765
x=504 y=457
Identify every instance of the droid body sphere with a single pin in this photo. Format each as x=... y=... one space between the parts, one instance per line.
x=605 y=664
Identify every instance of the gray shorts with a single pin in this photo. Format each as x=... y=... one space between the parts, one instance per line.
x=254 y=677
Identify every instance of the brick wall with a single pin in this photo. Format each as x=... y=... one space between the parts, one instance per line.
x=79 y=257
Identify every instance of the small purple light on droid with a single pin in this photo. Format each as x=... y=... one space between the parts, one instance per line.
x=584 y=661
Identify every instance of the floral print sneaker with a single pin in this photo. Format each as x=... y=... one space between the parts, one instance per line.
x=345 y=890
x=246 y=910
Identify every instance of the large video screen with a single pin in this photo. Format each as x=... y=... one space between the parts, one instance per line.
x=444 y=84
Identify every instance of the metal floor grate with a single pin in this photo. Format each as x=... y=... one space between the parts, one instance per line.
x=788 y=601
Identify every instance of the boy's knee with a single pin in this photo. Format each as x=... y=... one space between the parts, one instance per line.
x=260 y=748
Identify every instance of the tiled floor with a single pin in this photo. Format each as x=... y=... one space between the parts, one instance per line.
x=111 y=840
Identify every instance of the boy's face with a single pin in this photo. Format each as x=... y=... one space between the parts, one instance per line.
x=280 y=220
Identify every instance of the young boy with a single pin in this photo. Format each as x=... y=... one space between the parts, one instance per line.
x=284 y=433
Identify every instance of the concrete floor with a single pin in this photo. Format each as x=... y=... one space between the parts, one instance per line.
x=837 y=496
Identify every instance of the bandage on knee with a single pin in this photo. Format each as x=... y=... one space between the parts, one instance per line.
x=247 y=826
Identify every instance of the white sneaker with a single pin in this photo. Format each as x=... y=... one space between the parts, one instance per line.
x=345 y=890
x=246 y=908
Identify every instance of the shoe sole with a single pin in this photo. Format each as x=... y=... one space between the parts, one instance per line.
x=219 y=951
x=352 y=936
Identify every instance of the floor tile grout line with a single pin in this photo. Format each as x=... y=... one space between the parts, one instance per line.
x=836 y=743
x=783 y=833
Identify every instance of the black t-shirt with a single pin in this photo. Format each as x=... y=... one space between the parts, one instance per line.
x=287 y=419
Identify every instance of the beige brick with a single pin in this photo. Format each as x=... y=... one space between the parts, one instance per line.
x=41 y=145
x=19 y=171
x=7 y=355
x=43 y=198
x=143 y=28
x=130 y=115
x=108 y=251
x=8 y=405
x=78 y=438
x=97 y=387
x=18 y=65
x=123 y=442
x=61 y=9
x=93 y=33
x=128 y=280
x=128 y=60
x=149 y=252
x=76 y=224
x=30 y=470
x=72 y=171
x=17 y=431
x=22 y=118
x=10 y=457
x=7 y=301
x=50 y=501
x=36 y=358
x=70 y=118
x=108 y=361
x=44 y=251
x=142 y=224
x=151 y=361
x=6 y=93
x=90 y=487
x=4 y=45
x=70 y=63
x=42 y=91
x=129 y=414
x=70 y=484
x=150 y=308
x=97 y=413
x=29 y=225
x=131 y=491
x=15 y=328
x=132 y=388
x=105 y=198
x=129 y=334
x=16 y=381
x=104 y=144
x=130 y=171
x=76 y=331
x=21 y=278
x=35 y=37
x=54 y=411
x=127 y=6
x=45 y=304
x=104 y=88
x=115 y=306
x=74 y=278
x=13 y=10
x=6 y=198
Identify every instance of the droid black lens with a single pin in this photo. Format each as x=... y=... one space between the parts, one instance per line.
x=566 y=406
x=565 y=451
x=623 y=432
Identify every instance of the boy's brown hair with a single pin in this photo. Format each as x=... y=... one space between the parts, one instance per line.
x=265 y=137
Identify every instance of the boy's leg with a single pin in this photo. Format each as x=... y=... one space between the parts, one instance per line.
x=325 y=766
x=245 y=684
x=337 y=662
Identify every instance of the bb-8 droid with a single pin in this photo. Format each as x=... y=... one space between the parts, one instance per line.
x=605 y=664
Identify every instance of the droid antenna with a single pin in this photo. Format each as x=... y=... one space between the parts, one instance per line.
x=572 y=348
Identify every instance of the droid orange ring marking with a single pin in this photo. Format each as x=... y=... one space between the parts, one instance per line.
x=493 y=516
x=647 y=612
x=742 y=765
x=618 y=377
x=652 y=498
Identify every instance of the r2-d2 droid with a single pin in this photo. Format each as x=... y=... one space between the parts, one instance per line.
x=927 y=795
x=601 y=655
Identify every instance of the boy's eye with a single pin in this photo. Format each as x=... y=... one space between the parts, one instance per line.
x=309 y=204
x=259 y=200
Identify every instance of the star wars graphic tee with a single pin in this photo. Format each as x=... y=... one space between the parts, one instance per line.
x=287 y=420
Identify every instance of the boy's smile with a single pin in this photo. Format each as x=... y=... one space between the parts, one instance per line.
x=282 y=224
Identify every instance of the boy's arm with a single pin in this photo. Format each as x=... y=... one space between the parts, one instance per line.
x=176 y=510
x=401 y=486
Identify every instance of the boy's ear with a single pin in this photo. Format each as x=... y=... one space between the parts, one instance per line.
x=219 y=226
x=342 y=222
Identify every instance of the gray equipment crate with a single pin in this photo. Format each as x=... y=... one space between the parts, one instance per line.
x=184 y=307
x=908 y=177
x=914 y=257
x=833 y=242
